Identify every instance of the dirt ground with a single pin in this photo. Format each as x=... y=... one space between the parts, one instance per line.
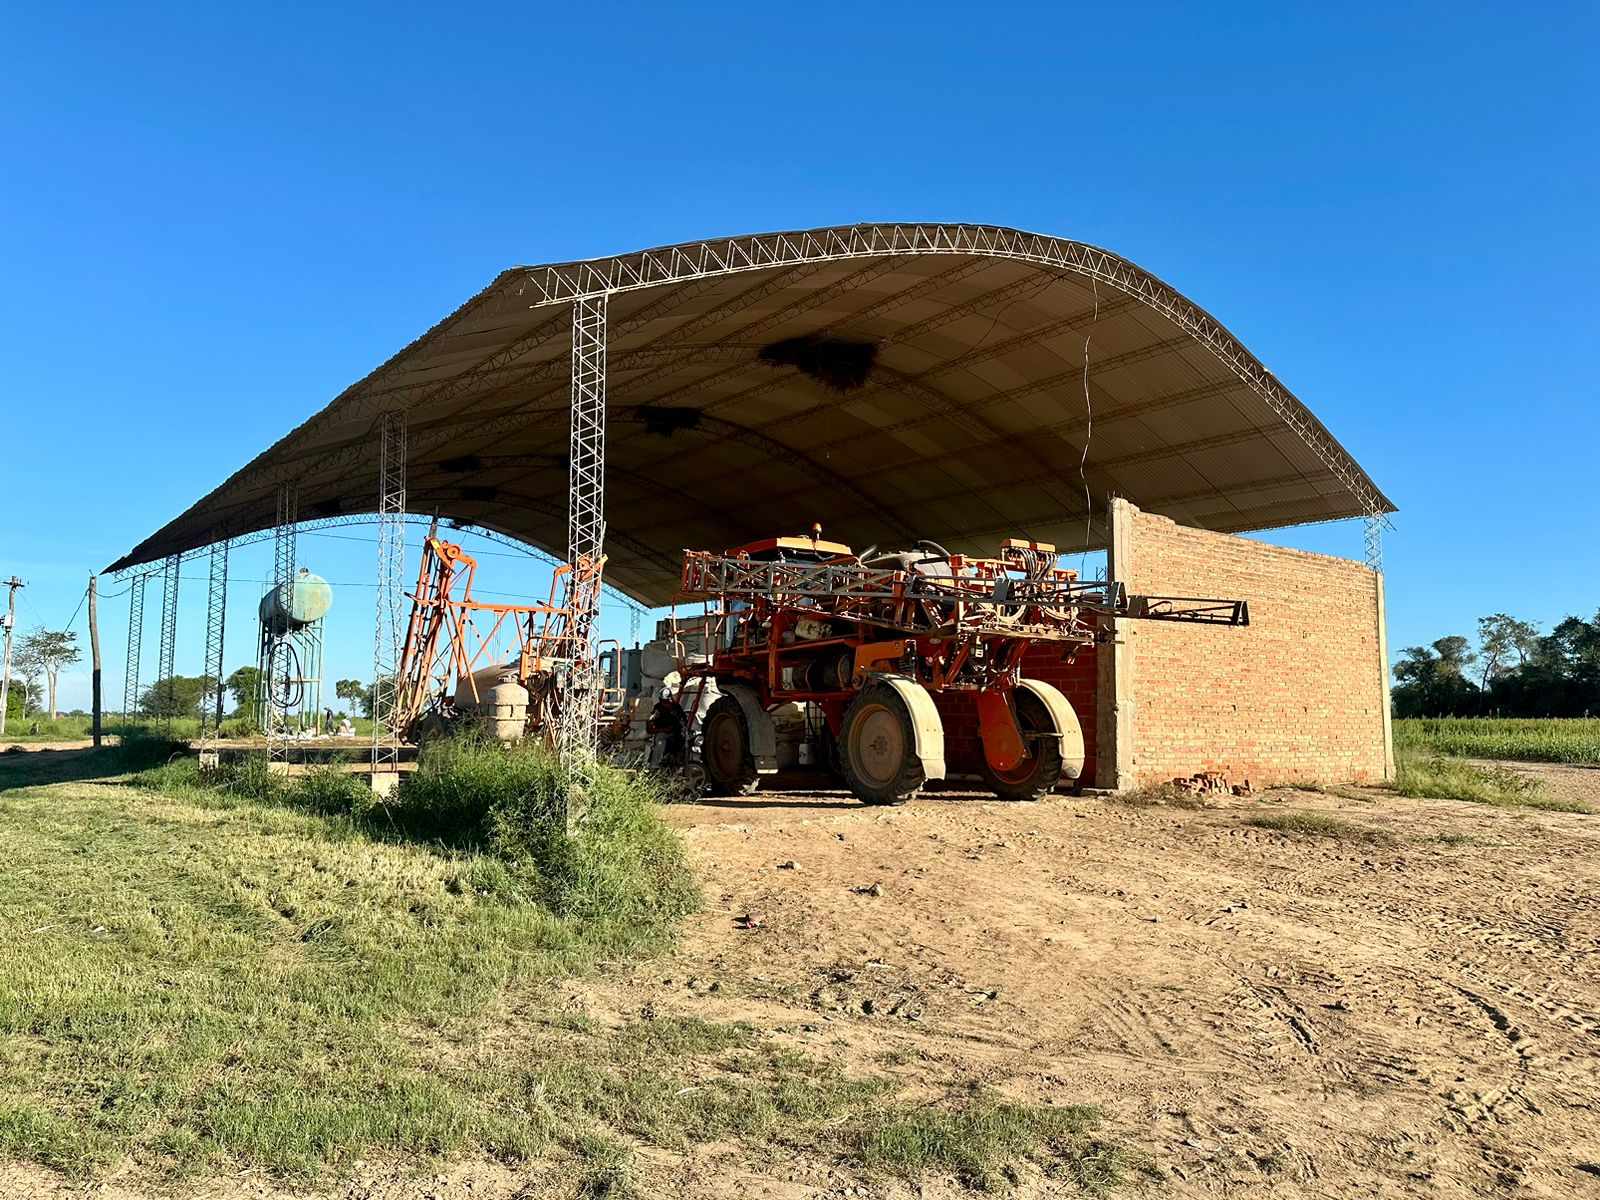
x=1258 y=1014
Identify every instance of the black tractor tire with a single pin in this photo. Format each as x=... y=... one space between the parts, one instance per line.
x=725 y=757
x=1037 y=775
x=878 y=747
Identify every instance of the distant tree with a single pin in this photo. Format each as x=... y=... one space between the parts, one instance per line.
x=354 y=692
x=1455 y=656
x=245 y=684
x=27 y=666
x=1495 y=646
x=46 y=652
x=177 y=696
x=22 y=698
x=367 y=699
x=1520 y=672
x=1433 y=682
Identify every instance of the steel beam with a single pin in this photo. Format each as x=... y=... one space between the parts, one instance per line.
x=279 y=665
x=216 y=620
x=391 y=432
x=169 y=634
x=586 y=530
x=130 y=674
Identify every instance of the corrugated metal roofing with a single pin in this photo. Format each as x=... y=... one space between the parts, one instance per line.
x=970 y=425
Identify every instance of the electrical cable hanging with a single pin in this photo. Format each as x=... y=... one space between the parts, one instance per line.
x=76 y=611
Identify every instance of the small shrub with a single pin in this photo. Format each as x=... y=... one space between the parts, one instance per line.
x=139 y=749
x=621 y=865
x=1315 y=824
x=1438 y=778
x=1159 y=795
x=328 y=790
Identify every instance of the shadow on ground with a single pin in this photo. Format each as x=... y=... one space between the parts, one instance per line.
x=37 y=768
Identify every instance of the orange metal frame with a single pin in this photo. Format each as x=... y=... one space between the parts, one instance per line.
x=443 y=644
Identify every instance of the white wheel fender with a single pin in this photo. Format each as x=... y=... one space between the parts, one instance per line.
x=1065 y=722
x=763 y=737
x=926 y=725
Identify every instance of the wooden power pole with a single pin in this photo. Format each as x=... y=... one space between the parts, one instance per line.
x=5 y=672
x=94 y=654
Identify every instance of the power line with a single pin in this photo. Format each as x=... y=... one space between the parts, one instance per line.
x=76 y=611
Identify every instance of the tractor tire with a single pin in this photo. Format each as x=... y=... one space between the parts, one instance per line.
x=730 y=767
x=1036 y=776
x=878 y=748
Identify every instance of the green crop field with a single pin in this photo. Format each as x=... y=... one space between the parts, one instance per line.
x=1526 y=739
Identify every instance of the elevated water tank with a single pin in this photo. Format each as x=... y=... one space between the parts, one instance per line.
x=308 y=600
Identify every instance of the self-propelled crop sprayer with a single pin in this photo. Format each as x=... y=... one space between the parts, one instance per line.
x=867 y=639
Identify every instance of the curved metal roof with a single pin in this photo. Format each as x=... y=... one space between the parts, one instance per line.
x=961 y=382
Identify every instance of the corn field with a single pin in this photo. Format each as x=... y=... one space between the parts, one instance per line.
x=1528 y=739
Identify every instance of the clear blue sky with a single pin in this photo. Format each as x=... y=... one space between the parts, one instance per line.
x=211 y=221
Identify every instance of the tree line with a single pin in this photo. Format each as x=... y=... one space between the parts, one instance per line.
x=190 y=695
x=1513 y=671
x=39 y=658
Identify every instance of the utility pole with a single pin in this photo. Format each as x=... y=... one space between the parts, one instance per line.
x=94 y=653
x=11 y=623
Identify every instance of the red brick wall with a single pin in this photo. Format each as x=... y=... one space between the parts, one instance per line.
x=963 y=749
x=1295 y=697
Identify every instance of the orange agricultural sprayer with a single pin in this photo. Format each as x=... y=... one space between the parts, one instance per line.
x=466 y=658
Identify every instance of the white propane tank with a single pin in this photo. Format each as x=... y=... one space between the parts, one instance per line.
x=501 y=703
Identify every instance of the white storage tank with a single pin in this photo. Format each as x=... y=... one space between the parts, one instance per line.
x=495 y=700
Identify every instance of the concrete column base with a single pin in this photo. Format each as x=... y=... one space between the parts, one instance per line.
x=383 y=783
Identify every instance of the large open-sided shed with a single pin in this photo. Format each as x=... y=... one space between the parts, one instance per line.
x=960 y=376
x=890 y=381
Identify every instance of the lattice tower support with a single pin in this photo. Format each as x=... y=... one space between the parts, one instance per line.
x=391 y=430
x=130 y=673
x=1374 y=542
x=216 y=614
x=586 y=502
x=169 y=633
x=280 y=665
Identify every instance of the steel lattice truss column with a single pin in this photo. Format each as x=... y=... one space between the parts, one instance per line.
x=279 y=666
x=169 y=634
x=1374 y=541
x=586 y=530
x=130 y=674
x=391 y=588
x=216 y=612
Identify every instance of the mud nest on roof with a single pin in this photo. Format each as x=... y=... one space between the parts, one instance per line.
x=833 y=362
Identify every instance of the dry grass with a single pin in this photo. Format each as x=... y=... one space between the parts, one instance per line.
x=1435 y=777
x=1299 y=823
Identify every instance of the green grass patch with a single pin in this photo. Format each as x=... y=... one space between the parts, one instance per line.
x=205 y=973
x=1523 y=739
x=1436 y=777
x=983 y=1141
x=208 y=969
x=1299 y=823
